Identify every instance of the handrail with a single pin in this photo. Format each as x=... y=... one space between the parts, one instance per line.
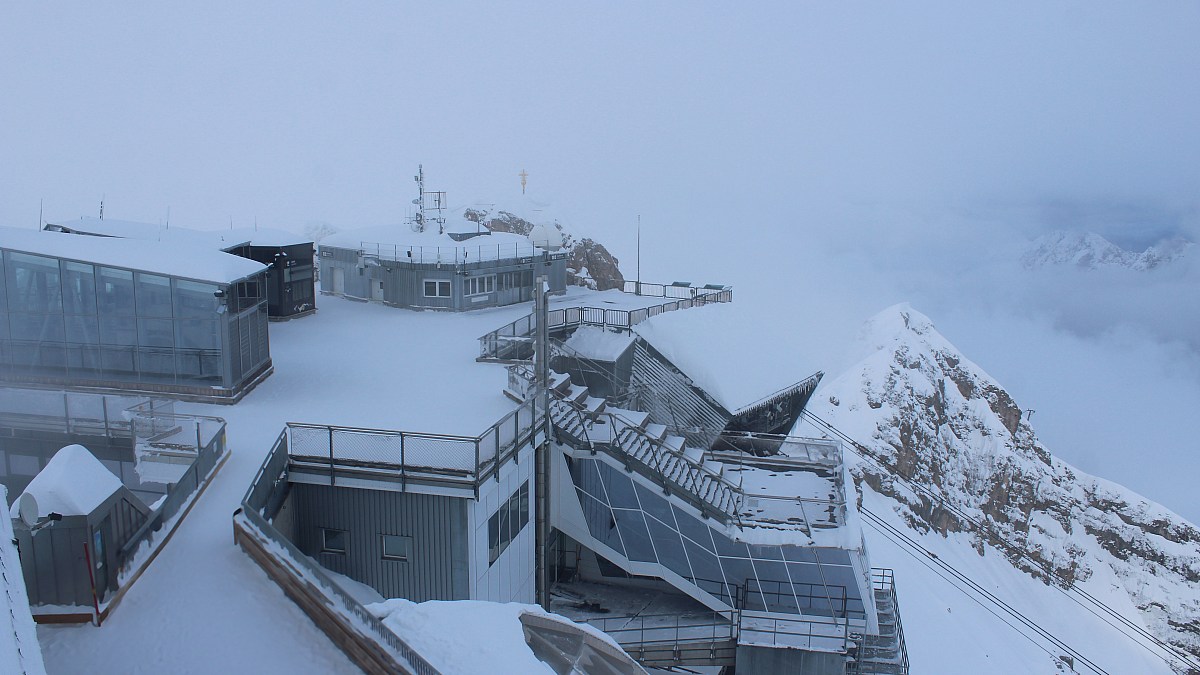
x=622 y=319
x=451 y=254
x=487 y=451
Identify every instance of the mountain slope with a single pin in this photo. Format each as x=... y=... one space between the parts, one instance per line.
x=931 y=414
x=1088 y=250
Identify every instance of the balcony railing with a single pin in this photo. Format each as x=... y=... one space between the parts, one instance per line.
x=463 y=461
x=511 y=341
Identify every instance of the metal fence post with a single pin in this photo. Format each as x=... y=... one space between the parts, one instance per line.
x=332 y=478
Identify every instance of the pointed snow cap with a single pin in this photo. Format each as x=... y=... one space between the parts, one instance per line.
x=73 y=483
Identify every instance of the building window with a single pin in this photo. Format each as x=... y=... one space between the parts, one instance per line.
x=334 y=541
x=396 y=547
x=437 y=289
x=507 y=523
x=478 y=285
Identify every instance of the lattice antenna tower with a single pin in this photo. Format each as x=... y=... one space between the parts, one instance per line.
x=431 y=206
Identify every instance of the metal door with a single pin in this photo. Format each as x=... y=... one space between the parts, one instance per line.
x=339 y=281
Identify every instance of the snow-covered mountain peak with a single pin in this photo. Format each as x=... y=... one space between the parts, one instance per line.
x=930 y=414
x=1088 y=250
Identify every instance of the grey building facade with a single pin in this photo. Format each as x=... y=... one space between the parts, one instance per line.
x=487 y=270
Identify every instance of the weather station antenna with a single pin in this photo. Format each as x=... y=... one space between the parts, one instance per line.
x=431 y=206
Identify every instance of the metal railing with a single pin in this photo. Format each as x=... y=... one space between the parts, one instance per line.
x=256 y=511
x=523 y=252
x=498 y=344
x=196 y=437
x=826 y=634
x=668 y=630
x=444 y=458
x=75 y=413
x=679 y=289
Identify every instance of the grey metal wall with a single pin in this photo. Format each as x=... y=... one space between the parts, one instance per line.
x=53 y=561
x=437 y=568
x=403 y=283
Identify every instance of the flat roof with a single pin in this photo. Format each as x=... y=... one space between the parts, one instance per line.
x=387 y=239
x=718 y=347
x=220 y=239
x=199 y=263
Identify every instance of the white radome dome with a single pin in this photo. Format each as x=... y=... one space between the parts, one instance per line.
x=546 y=237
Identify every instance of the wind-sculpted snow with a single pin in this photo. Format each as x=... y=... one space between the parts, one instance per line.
x=935 y=416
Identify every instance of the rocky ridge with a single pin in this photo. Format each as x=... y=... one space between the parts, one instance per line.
x=589 y=263
x=935 y=416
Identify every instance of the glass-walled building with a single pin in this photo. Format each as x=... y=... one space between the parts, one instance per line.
x=126 y=314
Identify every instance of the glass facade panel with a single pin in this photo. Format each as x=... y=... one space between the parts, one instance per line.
x=114 y=292
x=775 y=586
x=194 y=299
x=706 y=571
x=33 y=283
x=79 y=288
x=83 y=330
x=600 y=522
x=634 y=534
x=754 y=577
x=156 y=332
x=153 y=295
x=692 y=528
x=656 y=505
x=619 y=487
x=36 y=327
x=669 y=547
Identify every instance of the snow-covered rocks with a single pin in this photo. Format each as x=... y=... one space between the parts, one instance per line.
x=930 y=413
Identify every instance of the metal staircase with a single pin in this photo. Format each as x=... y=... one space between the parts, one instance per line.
x=587 y=423
x=884 y=653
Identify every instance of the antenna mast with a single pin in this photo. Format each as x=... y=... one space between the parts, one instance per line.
x=427 y=202
x=101 y=207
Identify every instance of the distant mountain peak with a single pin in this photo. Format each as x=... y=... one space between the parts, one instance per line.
x=1088 y=250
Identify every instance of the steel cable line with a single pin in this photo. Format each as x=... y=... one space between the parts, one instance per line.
x=869 y=455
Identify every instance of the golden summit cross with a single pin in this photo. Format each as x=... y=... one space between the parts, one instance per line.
x=524 y=174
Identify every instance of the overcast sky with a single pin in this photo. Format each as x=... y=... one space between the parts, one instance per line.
x=829 y=159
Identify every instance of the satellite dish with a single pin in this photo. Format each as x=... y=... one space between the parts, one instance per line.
x=27 y=507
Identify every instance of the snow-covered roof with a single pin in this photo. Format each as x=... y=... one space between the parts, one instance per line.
x=19 y=650
x=719 y=348
x=404 y=236
x=72 y=483
x=219 y=239
x=436 y=630
x=202 y=263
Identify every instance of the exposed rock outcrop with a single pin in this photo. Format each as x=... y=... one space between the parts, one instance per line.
x=589 y=263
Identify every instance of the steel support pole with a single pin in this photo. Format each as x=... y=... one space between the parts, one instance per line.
x=541 y=463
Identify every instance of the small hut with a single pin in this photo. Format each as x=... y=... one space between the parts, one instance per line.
x=62 y=559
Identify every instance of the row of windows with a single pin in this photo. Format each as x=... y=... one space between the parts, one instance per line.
x=39 y=284
x=477 y=285
x=505 y=524
x=392 y=546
